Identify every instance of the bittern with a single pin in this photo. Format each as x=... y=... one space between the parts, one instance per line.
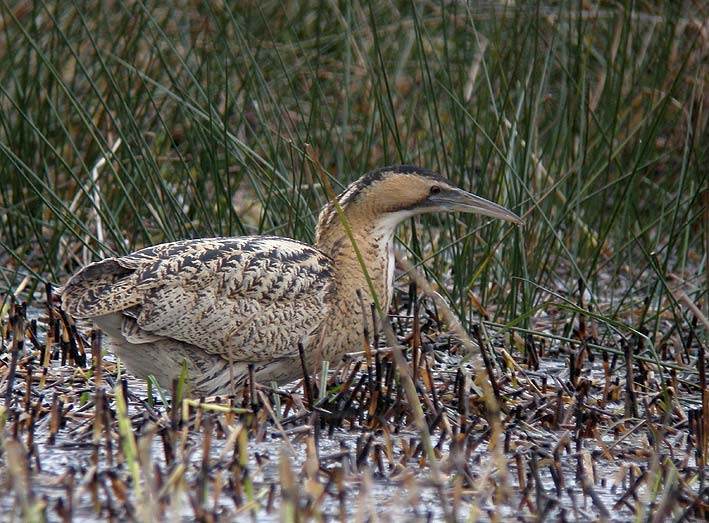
x=221 y=304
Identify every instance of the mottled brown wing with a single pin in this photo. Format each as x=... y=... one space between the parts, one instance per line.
x=248 y=298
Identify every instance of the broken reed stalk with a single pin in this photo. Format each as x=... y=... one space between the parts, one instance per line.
x=18 y=336
x=704 y=421
x=579 y=303
x=243 y=448
x=530 y=350
x=28 y=387
x=289 y=490
x=97 y=425
x=631 y=406
x=203 y=480
x=96 y=366
x=306 y=377
x=128 y=443
x=20 y=478
x=51 y=333
x=486 y=361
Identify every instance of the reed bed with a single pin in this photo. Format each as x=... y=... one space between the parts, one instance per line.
x=552 y=372
x=575 y=429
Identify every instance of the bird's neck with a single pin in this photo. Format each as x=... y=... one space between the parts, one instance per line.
x=374 y=240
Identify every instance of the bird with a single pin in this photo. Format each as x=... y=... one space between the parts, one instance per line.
x=222 y=305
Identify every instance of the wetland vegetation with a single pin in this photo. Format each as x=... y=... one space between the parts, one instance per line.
x=555 y=371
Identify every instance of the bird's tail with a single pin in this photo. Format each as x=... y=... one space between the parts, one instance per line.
x=99 y=288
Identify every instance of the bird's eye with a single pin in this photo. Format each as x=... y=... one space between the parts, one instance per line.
x=435 y=189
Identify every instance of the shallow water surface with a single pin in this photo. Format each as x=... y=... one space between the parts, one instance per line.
x=556 y=449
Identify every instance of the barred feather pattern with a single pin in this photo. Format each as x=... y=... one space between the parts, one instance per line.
x=228 y=298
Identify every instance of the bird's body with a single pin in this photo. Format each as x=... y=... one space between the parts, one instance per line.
x=221 y=304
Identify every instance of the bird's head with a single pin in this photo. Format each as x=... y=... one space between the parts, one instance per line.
x=387 y=196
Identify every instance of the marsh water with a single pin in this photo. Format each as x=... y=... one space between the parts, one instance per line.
x=559 y=450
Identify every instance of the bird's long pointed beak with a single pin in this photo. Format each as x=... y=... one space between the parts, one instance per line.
x=462 y=201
